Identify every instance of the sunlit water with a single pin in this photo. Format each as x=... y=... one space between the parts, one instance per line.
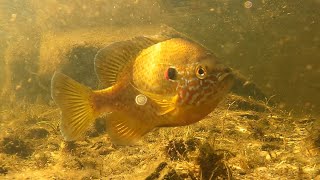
x=274 y=44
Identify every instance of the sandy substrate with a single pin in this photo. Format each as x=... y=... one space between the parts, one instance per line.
x=242 y=139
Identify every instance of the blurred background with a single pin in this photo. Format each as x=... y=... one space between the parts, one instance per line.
x=275 y=44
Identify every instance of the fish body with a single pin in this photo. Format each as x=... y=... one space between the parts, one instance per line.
x=148 y=82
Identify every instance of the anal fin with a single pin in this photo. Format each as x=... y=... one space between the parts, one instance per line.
x=126 y=130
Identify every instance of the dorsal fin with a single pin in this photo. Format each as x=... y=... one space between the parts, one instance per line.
x=169 y=32
x=110 y=60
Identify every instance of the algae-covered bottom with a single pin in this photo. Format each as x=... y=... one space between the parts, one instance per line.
x=242 y=139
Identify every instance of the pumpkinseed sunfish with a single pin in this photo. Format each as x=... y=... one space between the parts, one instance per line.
x=147 y=82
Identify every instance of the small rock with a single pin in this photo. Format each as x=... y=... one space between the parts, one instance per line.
x=37 y=133
x=3 y=170
x=268 y=157
x=15 y=146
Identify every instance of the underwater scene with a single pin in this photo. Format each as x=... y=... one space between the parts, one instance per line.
x=159 y=89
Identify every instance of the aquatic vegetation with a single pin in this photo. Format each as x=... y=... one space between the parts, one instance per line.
x=230 y=142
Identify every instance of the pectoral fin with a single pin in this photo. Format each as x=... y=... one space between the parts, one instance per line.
x=165 y=104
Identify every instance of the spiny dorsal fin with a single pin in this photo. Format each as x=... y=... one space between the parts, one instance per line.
x=169 y=33
x=110 y=60
x=125 y=130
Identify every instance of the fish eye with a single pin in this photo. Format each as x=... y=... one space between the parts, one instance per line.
x=171 y=74
x=201 y=72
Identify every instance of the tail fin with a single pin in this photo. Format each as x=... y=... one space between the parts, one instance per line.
x=75 y=102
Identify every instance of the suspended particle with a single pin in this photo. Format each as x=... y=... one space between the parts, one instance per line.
x=13 y=17
x=247 y=4
x=309 y=67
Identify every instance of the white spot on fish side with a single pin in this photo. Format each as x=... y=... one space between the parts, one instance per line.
x=141 y=99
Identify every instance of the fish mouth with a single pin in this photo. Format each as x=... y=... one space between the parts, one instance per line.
x=226 y=79
x=223 y=76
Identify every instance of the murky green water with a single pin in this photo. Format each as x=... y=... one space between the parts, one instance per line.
x=274 y=44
